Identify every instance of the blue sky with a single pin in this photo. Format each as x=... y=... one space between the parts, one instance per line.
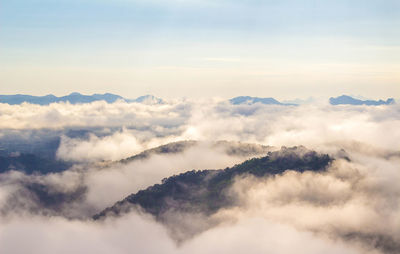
x=199 y=48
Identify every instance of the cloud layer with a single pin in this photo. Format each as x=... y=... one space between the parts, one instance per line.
x=130 y=127
x=351 y=208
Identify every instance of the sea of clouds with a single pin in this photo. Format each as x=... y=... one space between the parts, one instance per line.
x=353 y=207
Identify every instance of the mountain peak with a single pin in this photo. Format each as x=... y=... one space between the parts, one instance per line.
x=252 y=100
x=348 y=100
x=149 y=99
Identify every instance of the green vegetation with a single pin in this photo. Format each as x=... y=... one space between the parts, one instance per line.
x=205 y=191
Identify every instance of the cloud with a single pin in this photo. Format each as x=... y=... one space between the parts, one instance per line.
x=351 y=208
x=353 y=201
x=310 y=125
x=141 y=234
x=86 y=189
x=117 y=146
x=209 y=119
x=99 y=113
x=138 y=175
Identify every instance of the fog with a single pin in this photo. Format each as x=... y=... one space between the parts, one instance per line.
x=357 y=201
x=353 y=207
x=139 y=234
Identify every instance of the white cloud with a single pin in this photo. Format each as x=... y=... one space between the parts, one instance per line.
x=314 y=212
x=135 y=233
x=118 y=146
x=353 y=201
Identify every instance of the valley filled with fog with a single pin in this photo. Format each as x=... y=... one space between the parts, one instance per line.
x=328 y=182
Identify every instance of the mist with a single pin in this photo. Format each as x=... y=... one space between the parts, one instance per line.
x=352 y=207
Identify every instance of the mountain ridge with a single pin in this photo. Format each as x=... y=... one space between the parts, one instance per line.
x=232 y=148
x=75 y=98
x=203 y=191
x=348 y=100
x=78 y=98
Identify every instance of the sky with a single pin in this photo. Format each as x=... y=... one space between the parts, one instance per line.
x=201 y=48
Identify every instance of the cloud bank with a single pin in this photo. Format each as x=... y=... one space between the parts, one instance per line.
x=351 y=208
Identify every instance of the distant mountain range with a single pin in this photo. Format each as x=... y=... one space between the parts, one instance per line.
x=348 y=100
x=341 y=100
x=74 y=98
x=77 y=98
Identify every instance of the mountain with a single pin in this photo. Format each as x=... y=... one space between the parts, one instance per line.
x=31 y=155
x=231 y=148
x=205 y=191
x=148 y=99
x=31 y=163
x=74 y=98
x=48 y=199
x=251 y=100
x=20 y=98
x=348 y=100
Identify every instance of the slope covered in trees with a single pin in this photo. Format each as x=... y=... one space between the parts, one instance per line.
x=205 y=191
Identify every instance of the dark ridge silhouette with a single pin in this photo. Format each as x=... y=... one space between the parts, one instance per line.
x=205 y=191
